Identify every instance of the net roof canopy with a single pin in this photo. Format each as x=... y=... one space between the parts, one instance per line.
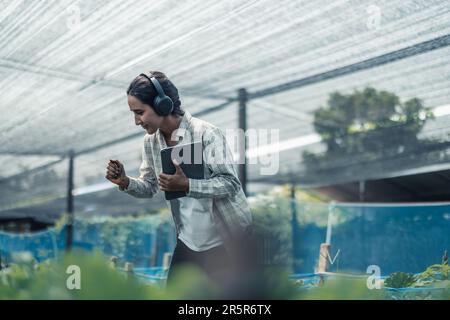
x=65 y=66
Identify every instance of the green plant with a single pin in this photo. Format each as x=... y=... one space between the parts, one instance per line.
x=272 y=221
x=434 y=273
x=369 y=123
x=342 y=288
x=48 y=280
x=126 y=237
x=400 y=280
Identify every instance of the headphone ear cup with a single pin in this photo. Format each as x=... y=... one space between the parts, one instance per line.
x=167 y=105
x=163 y=106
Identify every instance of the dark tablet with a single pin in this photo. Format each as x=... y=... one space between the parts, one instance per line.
x=190 y=158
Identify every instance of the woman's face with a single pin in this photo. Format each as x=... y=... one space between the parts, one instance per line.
x=144 y=115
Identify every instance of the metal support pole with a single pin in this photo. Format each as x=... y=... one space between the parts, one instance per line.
x=242 y=172
x=294 y=225
x=362 y=190
x=69 y=236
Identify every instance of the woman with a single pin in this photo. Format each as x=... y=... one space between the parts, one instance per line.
x=213 y=218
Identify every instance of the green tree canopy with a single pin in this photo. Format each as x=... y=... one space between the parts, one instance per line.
x=368 y=121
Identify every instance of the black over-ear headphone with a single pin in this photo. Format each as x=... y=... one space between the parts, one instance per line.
x=162 y=104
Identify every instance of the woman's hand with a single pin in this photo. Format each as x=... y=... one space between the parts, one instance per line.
x=174 y=182
x=115 y=172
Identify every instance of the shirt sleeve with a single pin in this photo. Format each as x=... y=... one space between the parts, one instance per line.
x=146 y=185
x=223 y=181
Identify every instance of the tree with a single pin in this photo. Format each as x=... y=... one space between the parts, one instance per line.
x=369 y=122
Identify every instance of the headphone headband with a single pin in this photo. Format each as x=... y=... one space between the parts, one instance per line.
x=156 y=84
x=162 y=104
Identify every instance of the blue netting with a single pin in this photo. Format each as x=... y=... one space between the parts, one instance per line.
x=406 y=238
x=154 y=275
x=142 y=241
x=42 y=245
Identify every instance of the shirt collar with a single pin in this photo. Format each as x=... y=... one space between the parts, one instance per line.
x=185 y=123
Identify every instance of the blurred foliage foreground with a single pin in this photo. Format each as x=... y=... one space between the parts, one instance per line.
x=98 y=279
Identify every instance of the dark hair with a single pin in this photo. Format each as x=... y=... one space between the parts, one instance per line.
x=143 y=89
